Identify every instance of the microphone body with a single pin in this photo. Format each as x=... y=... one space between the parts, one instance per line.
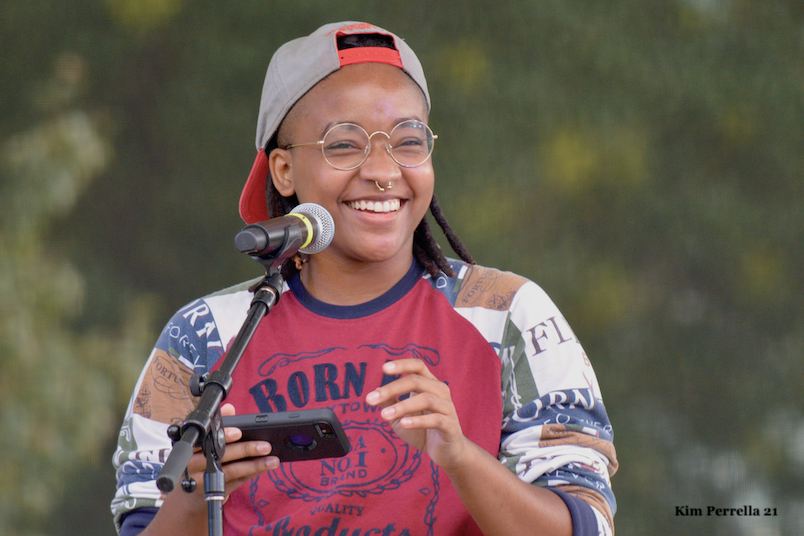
x=308 y=228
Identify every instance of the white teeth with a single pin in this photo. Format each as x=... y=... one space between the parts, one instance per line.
x=376 y=206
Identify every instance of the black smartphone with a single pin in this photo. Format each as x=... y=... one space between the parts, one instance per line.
x=295 y=435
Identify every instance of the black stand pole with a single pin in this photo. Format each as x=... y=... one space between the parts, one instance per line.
x=203 y=425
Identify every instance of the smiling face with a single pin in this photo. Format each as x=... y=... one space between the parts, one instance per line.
x=371 y=226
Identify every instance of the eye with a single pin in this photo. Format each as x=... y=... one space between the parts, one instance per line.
x=409 y=142
x=410 y=136
x=345 y=138
x=342 y=145
x=409 y=148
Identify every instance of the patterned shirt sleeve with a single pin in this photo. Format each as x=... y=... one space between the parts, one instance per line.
x=186 y=346
x=555 y=430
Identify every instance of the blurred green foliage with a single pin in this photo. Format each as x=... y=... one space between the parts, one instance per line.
x=640 y=160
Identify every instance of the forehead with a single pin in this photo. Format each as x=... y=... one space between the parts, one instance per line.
x=363 y=92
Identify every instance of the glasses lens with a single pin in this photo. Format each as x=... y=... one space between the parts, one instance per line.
x=345 y=146
x=411 y=143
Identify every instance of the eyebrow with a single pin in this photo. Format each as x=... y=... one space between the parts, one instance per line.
x=340 y=122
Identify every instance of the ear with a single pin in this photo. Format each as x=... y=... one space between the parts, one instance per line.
x=280 y=162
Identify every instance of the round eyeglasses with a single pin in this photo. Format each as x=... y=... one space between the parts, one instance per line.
x=346 y=146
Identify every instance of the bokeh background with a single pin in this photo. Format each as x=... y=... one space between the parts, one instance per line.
x=640 y=159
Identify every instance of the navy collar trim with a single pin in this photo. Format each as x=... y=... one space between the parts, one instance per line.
x=346 y=312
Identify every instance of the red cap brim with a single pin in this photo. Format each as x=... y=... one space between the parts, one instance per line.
x=253 y=207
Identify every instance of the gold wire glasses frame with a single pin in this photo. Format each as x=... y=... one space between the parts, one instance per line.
x=346 y=146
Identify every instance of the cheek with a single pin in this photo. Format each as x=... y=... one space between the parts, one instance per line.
x=314 y=183
x=423 y=184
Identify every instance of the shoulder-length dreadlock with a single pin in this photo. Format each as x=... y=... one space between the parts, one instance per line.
x=425 y=248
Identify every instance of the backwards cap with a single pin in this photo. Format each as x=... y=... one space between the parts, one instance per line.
x=295 y=68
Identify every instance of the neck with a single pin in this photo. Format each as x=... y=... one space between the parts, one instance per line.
x=340 y=282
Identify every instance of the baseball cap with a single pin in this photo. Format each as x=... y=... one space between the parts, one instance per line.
x=295 y=68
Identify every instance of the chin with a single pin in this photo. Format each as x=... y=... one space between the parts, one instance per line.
x=380 y=253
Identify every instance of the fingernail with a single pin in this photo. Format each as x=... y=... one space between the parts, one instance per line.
x=389 y=366
x=263 y=447
x=372 y=397
x=388 y=412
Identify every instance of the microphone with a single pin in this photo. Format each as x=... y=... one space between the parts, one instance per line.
x=308 y=228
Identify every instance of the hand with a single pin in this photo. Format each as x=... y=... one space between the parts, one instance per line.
x=496 y=499
x=427 y=420
x=241 y=462
x=186 y=513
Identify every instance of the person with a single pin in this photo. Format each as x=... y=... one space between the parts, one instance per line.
x=469 y=404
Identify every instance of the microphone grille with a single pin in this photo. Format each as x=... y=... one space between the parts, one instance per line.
x=324 y=229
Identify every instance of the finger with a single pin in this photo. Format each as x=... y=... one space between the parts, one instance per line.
x=242 y=471
x=407 y=366
x=232 y=434
x=246 y=449
x=428 y=421
x=417 y=405
x=410 y=384
x=234 y=451
x=197 y=463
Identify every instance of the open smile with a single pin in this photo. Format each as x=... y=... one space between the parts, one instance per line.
x=391 y=205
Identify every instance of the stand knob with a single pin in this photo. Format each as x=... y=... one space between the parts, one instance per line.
x=197 y=382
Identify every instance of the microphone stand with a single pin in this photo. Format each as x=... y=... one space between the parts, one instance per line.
x=203 y=426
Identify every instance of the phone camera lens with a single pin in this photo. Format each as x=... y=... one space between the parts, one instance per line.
x=301 y=442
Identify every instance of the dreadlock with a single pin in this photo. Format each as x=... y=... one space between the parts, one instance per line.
x=425 y=248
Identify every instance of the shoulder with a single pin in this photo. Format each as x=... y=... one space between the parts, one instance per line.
x=479 y=286
x=505 y=307
x=216 y=302
x=208 y=323
x=234 y=289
